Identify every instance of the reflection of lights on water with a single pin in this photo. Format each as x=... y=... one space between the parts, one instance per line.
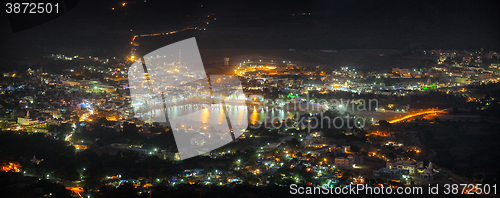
x=239 y=114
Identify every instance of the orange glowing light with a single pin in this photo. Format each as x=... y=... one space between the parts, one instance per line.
x=11 y=167
x=78 y=146
x=75 y=190
x=409 y=116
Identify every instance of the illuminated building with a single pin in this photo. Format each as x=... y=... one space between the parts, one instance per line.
x=344 y=162
x=80 y=146
x=11 y=167
x=410 y=165
x=393 y=174
x=34 y=160
x=349 y=161
x=428 y=173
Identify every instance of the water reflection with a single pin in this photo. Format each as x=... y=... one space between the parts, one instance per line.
x=213 y=114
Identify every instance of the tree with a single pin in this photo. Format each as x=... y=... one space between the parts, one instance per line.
x=69 y=174
x=428 y=135
x=92 y=182
x=385 y=126
x=125 y=190
x=57 y=190
x=354 y=148
x=251 y=179
x=294 y=143
x=102 y=121
x=75 y=118
x=275 y=178
x=391 y=155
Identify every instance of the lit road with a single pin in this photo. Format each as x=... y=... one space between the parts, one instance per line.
x=409 y=116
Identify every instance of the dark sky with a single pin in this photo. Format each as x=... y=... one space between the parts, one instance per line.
x=93 y=28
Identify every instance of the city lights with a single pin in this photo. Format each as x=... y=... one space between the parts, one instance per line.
x=119 y=92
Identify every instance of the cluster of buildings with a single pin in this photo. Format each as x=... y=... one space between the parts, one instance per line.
x=77 y=58
x=452 y=69
x=10 y=167
x=39 y=99
x=406 y=171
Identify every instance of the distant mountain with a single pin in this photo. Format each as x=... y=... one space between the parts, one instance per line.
x=93 y=28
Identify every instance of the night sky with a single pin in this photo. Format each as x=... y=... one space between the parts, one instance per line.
x=93 y=28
